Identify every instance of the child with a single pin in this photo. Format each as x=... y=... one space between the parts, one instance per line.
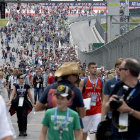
x=60 y=122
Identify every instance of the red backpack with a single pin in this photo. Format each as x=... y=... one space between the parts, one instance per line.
x=51 y=100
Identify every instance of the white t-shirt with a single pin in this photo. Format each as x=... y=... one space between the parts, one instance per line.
x=13 y=80
x=1 y=83
x=6 y=128
x=21 y=48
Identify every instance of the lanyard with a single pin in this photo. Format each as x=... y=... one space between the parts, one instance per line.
x=93 y=83
x=131 y=94
x=14 y=79
x=61 y=126
x=67 y=117
x=22 y=89
x=116 y=78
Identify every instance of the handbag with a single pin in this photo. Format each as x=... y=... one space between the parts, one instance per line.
x=104 y=129
x=14 y=105
x=15 y=99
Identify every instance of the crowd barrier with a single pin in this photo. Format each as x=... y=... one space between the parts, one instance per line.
x=100 y=28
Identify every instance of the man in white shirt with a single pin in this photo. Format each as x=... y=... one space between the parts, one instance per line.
x=12 y=80
x=3 y=92
x=6 y=129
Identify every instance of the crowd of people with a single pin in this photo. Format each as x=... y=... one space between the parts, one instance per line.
x=80 y=9
x=76 y=96
x=88 y=96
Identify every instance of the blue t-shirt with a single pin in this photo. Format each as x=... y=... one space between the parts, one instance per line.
x=134 y=102
x=109 y=85
x=77 y=99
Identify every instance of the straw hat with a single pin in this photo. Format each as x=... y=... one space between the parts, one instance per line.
x=67 y=69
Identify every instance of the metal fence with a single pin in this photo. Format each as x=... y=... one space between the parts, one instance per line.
x=100 y=29
x=127 y=45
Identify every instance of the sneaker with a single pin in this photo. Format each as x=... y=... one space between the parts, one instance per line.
x=21 y=133
x=24 y=133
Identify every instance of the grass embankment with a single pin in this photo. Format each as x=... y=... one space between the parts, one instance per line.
x=3 y=22
x=134 y=25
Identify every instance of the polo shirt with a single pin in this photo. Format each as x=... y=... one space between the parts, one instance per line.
x=109 y=85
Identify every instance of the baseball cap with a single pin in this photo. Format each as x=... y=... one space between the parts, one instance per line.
x=63 y=91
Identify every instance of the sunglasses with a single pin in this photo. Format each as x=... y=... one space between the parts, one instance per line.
x=120 y=69
x=75 y=75
x=22 y=78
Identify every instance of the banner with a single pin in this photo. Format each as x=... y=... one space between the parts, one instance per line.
x=132 y=4
x=99 y=4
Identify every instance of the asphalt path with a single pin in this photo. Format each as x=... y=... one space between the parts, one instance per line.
x=34 y=124
x=83 y=35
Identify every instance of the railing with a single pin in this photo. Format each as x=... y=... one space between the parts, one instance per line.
x=99 y=27
x=124 y=46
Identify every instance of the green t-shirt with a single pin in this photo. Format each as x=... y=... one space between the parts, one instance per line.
x=53 y=131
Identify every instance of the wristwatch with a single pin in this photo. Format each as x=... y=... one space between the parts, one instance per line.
x=131 y=111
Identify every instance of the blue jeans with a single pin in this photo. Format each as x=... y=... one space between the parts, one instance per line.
x=37 y=93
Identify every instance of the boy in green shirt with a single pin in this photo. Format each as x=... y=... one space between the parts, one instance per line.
x=61 y=122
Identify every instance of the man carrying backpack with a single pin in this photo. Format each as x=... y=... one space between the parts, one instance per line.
x=92 y=90
x=68 y=75
x=66 y=124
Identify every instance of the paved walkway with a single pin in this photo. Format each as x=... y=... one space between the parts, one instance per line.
x=82 y=34
x=35 y=118
x=34 y=125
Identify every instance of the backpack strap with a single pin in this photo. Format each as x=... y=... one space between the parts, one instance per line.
x=85 y=81
x=51 y=99
x=101 y=80
x=55 y=85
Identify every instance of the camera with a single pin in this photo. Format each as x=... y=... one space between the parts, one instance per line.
x=115 y=104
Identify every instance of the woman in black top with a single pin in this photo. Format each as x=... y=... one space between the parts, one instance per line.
x=20 y=104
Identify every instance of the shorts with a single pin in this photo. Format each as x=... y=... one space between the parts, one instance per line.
x=90 y=123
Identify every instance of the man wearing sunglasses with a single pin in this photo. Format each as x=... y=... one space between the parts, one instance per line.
x=127 y=91
x=109 y=86
x=67 y=75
